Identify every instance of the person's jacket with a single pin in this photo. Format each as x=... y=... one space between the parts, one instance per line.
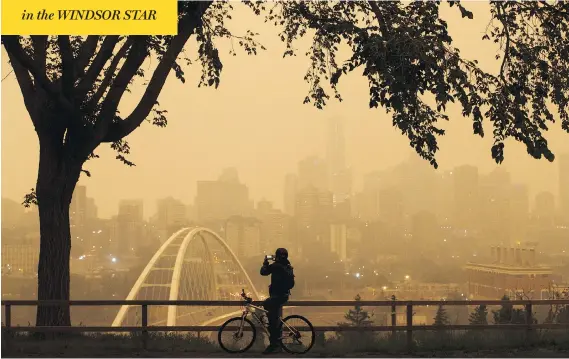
x=277 y=271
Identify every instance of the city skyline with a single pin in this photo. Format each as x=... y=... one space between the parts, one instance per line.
x=107 y=209
x=536 y=201
x=151 y=204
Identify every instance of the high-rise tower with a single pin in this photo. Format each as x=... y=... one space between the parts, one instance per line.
x=336 y=145
x=563 y=187
x=339 y=174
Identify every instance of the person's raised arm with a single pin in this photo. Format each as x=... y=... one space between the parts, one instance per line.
x=266 y=268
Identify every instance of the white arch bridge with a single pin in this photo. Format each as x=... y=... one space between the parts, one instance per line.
x=193 y=264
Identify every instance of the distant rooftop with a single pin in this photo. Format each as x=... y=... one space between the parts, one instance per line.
x=512 y=260
x=509 y=269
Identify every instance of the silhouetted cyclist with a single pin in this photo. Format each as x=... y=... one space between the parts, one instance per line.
x=282 y=281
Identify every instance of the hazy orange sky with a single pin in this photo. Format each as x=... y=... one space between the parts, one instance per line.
x=256 y=121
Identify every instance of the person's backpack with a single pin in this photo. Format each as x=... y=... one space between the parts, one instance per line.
x=289 y=277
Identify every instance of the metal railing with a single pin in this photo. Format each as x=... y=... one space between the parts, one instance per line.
x=409 y=328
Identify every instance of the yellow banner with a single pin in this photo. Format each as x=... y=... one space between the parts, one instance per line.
x=95 y=17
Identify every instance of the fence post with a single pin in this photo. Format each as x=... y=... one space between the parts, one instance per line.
x=529 y=321
x=8 y=315
x=393 y=316
x=144 y=325
x=7 y=332
x=410 y=327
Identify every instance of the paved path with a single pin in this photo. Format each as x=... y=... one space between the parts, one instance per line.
x=521 y=353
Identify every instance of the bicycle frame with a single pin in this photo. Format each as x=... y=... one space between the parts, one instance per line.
x=248 y=310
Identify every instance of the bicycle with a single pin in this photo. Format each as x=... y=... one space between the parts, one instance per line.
x=291 y=333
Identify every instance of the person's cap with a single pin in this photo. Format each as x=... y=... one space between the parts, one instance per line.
x=281 y=253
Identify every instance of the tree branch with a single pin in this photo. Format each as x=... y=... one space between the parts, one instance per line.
x=87 y=51
x=12 y=45
x=383 y=24
x=501 y=18
x=26 y=85
x=136 y=56
x=104 y=54
x=121 y=129
x=557 y=9
x=110 y=73
x=317 y=22
x=190 y=19
x=67 y=66
x=40 y=51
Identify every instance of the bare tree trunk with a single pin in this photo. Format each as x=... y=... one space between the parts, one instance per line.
x=57 y=176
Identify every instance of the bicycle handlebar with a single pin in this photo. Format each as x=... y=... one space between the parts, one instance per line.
x=244 y=296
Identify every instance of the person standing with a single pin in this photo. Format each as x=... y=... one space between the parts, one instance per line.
x=282 y=281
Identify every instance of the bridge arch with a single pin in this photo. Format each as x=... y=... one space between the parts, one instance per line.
x=193 y=264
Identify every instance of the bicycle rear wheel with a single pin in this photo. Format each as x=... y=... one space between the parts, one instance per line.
x=230 y=335
x=297 y=334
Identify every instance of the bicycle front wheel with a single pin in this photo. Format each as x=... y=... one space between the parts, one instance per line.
x=236 y=335
x=297 y=334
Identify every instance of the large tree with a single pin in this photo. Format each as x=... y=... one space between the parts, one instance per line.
x=72 y=87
